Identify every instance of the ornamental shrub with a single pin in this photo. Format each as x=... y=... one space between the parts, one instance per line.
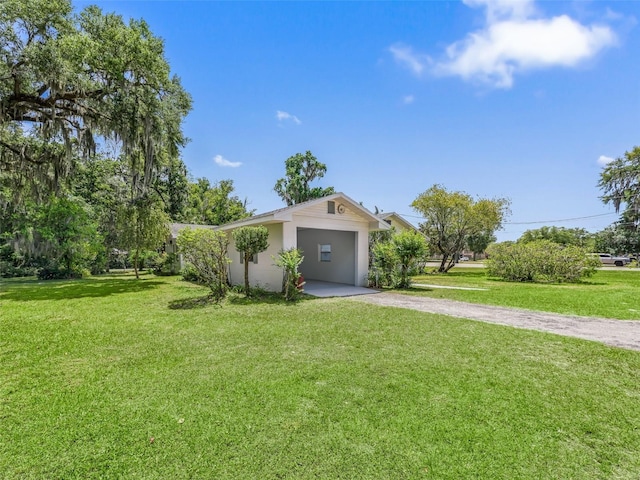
x=540 y=261
x=384 y=265
x=289 y=260
x=206 y=252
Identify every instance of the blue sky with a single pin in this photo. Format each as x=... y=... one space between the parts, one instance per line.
x=497 y=98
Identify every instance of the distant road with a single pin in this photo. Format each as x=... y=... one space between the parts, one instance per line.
x=462 y=264
x=481 y=265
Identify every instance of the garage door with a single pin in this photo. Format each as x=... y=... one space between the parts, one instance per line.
x=329 y=255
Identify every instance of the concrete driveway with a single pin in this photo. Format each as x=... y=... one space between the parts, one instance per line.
x=317 y=288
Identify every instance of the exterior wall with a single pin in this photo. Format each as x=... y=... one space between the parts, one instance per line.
x=317 y=218
x=170 y=245
x=341 y=268
x=395 y=224
x=348 y=230
x=263 y=274
x=398 y=224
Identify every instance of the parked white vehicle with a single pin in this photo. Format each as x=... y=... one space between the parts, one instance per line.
x=608 y=259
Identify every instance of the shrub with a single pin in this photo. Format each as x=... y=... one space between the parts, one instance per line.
x=384 y=265
x=56 y=272
x=167 y=264
x=250 y=241
x=289 y=260
x=189 y=274
x=206 y=251
x=540 y=261
x=410 y=247
x=393 y=261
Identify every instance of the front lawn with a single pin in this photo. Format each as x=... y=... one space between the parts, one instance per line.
x=111 y=377
x=608 y=294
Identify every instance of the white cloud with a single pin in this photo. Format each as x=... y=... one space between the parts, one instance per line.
x=282 y=116
x=501 y=9
x=514 y=40
x=405 y=56
x=408 y=99
x=223 y=162
x=603 y=160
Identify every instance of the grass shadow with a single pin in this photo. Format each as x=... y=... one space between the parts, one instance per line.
x=192 y=303
x=94 y=287
x=264 y=298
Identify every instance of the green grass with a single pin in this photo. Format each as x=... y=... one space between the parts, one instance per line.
x=117 y=378
x=608 y=294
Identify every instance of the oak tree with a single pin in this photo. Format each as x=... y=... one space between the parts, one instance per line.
x=451 y=217
x=301 y=170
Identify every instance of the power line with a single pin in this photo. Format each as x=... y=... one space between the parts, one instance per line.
x=561 y=220
x=532 y=223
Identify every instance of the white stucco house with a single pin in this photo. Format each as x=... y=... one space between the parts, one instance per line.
x=397 y=221
x=332 y=232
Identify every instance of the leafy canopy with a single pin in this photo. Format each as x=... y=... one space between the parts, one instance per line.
x=620 y=182
x=451 y=217
x=560 y=235
x=214 y=204
x=70 y=82
x=301 y=170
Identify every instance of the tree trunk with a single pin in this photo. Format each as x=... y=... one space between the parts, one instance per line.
x=450 y=266
x=135 y=263
x=246 y=275
x=442 y=268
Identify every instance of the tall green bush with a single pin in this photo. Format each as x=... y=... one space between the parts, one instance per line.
x=393 y=261
x=206 y=252
x=410 y=247
x=384 y=265
x=540 y=261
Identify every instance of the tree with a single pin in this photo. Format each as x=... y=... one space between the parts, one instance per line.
x=144 y=226
x=69 y=235
x=215 y=204
x=250 y=241
x=172 y=185
x=301 y=170
x=617 y=239
x=68 y=81
x=410 y=247
x=451 y=217
x=478 y=242
x=206 y=252
x=620 y=182
x=560 y=235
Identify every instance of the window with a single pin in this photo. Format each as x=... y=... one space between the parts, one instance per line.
x=325 y=252
x=254 y=259
x=331 y=207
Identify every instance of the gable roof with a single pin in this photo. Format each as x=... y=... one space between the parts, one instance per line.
x=393 y=216
x=285 y=214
